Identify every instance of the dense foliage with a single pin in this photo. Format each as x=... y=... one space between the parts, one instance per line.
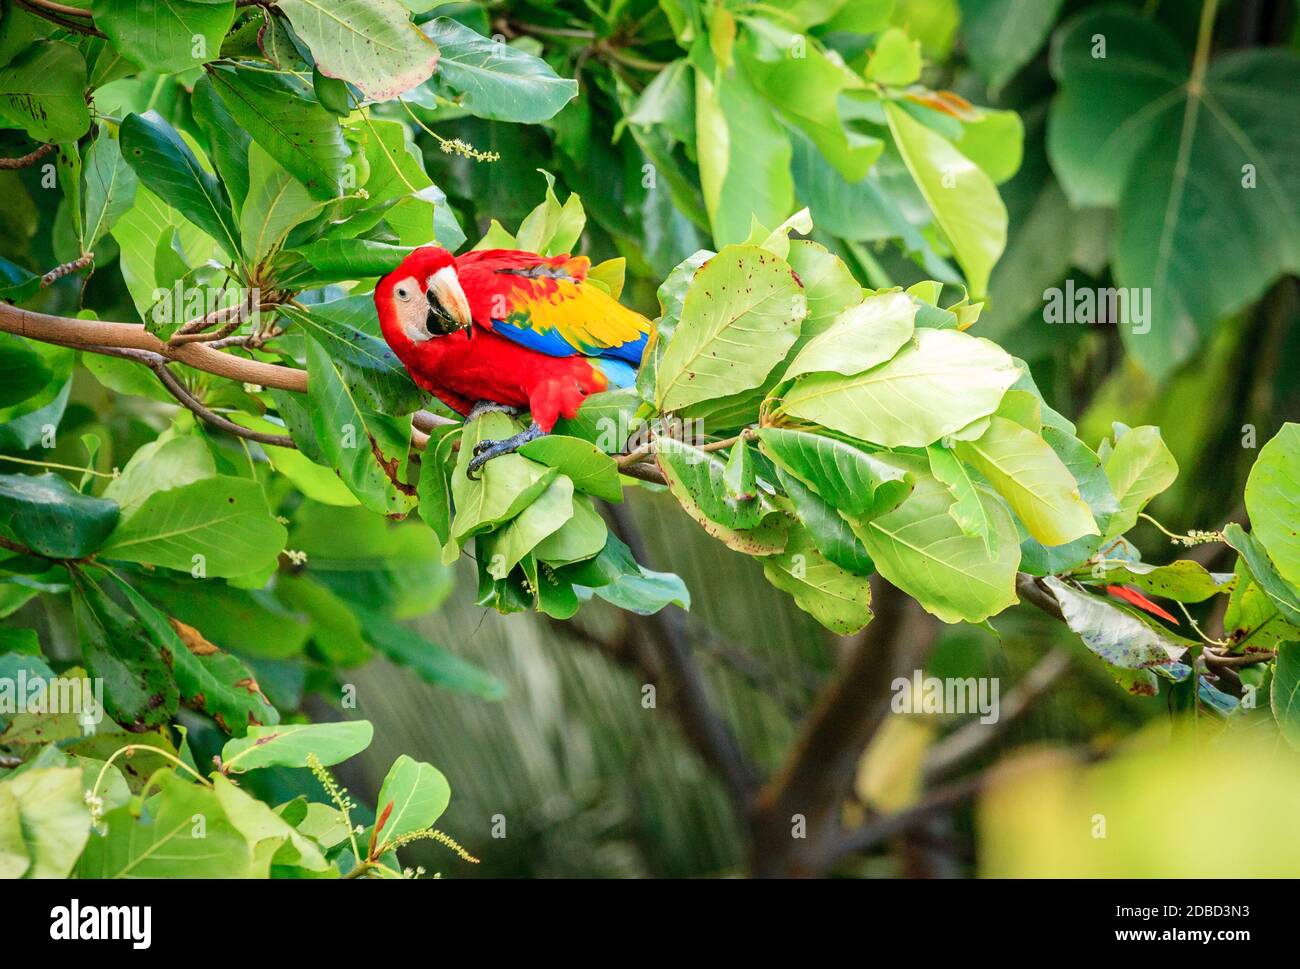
x=220 y=511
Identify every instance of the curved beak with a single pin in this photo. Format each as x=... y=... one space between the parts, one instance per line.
x=448 y=307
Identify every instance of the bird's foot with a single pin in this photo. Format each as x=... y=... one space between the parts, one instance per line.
x=486 y=407
x=485 y=451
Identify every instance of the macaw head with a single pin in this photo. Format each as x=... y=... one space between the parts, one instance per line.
x=422 y=298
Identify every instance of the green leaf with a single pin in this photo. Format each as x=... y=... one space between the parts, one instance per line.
x=1040 y=489
x=744 y=156
x=968 y=510
x=1113 y=633
x=828 y=286
x=936 y=385
x=417 y=793
x=368 y=450
x=1182 y=581
x=962 y=197
x=1002 y=36
x=854 y=481
x=22 y=370
x=740 y=317
x=1273 y=501
x=1167 y=139
x=276 y=202
x=270 y=836
x=1284 y=598
x=920 y=548
x=839 y=600
x=52 y=518
x=348 y=330
x=167 y=167
x=52 y=818
x=1284 y=696
x=703 y=476
x=228 y=142
x=861 y=337
x=495 y=81
x=295 y=130
x=544 y=515
x=581 y=537
x=1139 y=467
x=434 y=664
x=168 y=461
x=506 y=485
x=1094 y=488
x=830 y=530
x=591 y=470
x=371 y=44
x=551 y=228
x=336 y=632
x=14 y=860
x=110 y=188
x=618 y=578
x=43 y=90
x=339 y=259
x=896 y=59
x=289 y=744
x=166 y=36
x=183 y=833
x=121 y=651
x=217 y=526
x=209 y=680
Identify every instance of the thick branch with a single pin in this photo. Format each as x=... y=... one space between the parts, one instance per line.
x=90 y=334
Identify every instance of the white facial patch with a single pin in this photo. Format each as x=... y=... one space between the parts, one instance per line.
x=412 y=309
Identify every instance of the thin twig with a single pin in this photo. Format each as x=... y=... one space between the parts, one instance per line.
x=195 y=406
x=27 y=160
x=67 y=269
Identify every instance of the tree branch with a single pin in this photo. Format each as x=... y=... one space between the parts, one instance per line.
x=27 y=160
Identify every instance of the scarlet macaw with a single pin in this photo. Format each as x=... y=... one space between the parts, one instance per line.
x=504 y=329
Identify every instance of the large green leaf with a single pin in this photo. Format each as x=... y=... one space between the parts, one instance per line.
x=339 y=259
x=505 y=486
x=122 y=653
x=964 y=200
x=860 y=338
x=1095 y=489
x=1281 y=595
x=52 y=518
x=1285 y=692
x=217 y=526
x=506 y=547
x=591 y=469
x=1003 y=35
x=838 y=599
x=53 y=820
x=493 y=80
x=168 y=461
x=273 y=839
x=1200 y=168
x=110 y=188
x=744 y=155
x=183 y=833
x=853 y=480
x=1273 y=501
x=368 y=450
x=936 y=385
x=413 y=796
x=830 y=530
x=920 y=548
x=702 y=475
x=290 y=744
x=1139 y=467
x=1040 y=489
x=209 y=680
x=1113 y=633
x=347 y=329
x=43 y=90
x=276 y=202
x=168 y=168
x=740 y=317
x=166 y=36
x=296 y=131
x=371 y=44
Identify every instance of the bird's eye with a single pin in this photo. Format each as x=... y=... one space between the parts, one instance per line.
x=403 y=293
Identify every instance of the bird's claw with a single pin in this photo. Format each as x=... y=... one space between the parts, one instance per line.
x=485 y=451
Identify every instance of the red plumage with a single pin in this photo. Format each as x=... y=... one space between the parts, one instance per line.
x=517 y=301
